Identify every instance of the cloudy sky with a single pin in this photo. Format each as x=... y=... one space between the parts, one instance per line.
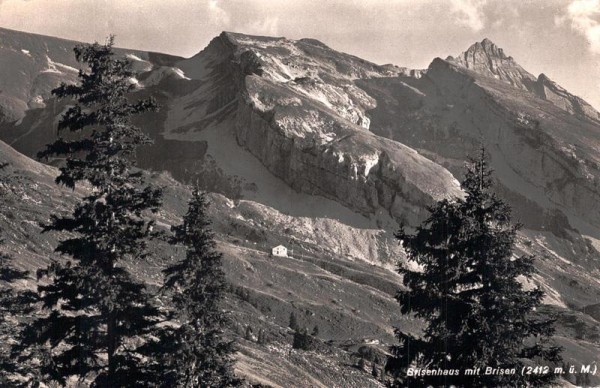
x=560 y=38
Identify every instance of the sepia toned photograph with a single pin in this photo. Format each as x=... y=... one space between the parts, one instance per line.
x=299 y=193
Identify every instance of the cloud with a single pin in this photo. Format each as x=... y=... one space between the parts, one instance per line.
x=469 y=13
x=267 y=26
x=217 y=14
x=584 y=16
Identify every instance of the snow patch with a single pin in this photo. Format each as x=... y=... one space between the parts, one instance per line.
x=551 y=296
x=157 y=75
x=57 y=67
x=326 y=137
x=136 y=82
x=26 y=52
x=37 y=102
x=180 y=73
x=139 y=64
x=134 y=57
x=370 y=162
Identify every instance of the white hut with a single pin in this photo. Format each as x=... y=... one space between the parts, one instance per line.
x=280 y=251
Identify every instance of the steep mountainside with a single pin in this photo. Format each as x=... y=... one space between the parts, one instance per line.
x=43 y=63
x=324 y=282
x=326 y=153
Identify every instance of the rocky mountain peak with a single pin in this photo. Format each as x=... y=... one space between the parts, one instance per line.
x=488 y=59
x=490 y=49
x=482 y=54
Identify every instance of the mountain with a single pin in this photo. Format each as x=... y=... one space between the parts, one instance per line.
x=327 y=153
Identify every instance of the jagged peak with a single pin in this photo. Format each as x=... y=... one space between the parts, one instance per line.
x=488 y=44
x=487 y=48
x=487 y=59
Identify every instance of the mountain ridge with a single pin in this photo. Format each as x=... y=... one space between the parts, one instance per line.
x=488 y=59
x=45 y=62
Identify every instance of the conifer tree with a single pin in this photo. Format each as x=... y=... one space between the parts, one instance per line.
x=477 y=314
x=98 y=313
x=293 y=322
x=315 y=331
x=361 y=364
x=374 y=371
x=302 y=340
x=198 y=354
x=249 y=333
x=262 y=337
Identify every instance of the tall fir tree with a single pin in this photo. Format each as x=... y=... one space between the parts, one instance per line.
x=293 y=321
x=98 y=313
x=196 y=354
x=477 y=313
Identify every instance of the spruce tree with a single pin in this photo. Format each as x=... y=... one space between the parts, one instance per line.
x=262 y=337
x=315 y=331
x=249 y=333
x=361 y=364
x=302 y=340
x=99 y=314
x=374 y=371
x=196 y=353
x=477 y=314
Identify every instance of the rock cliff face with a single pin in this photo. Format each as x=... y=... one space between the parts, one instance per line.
x=378 y=176
x=303 y=117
